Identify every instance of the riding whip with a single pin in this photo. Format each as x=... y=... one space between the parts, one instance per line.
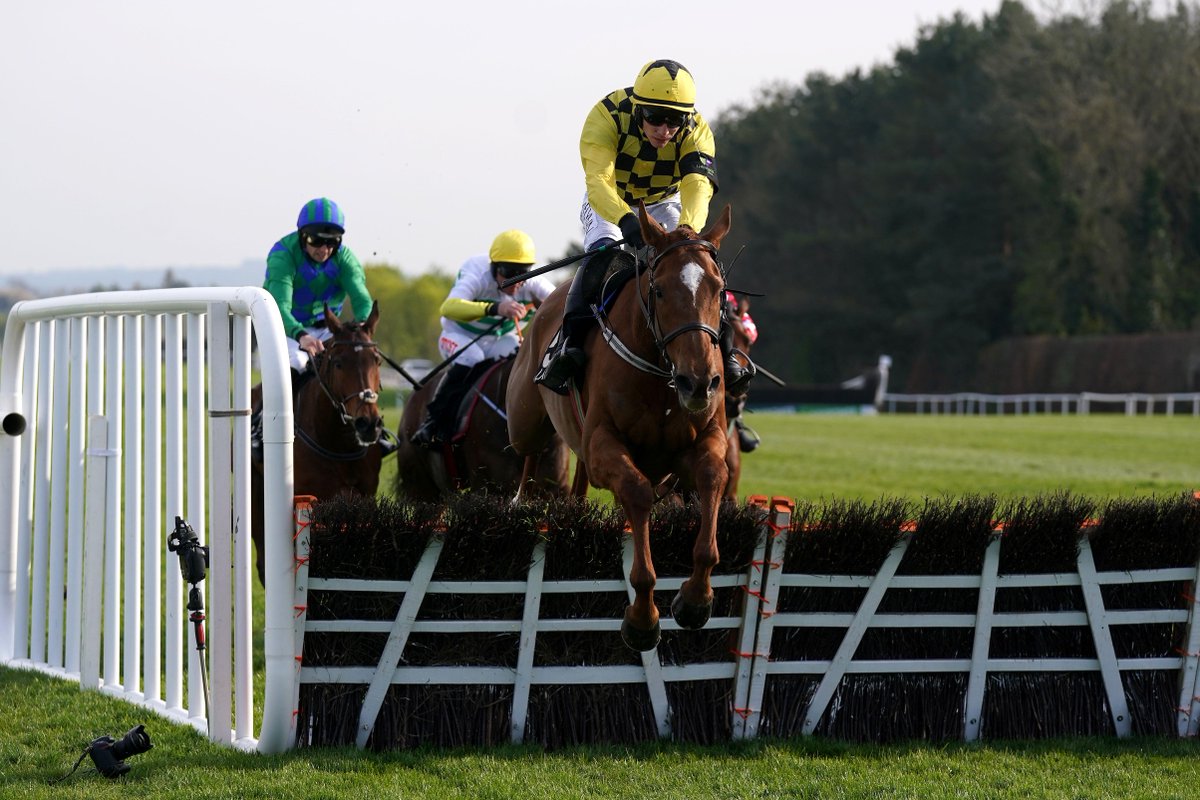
x=533 y=273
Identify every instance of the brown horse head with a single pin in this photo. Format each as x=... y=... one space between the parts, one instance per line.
x=683 y=306
x=348 y=371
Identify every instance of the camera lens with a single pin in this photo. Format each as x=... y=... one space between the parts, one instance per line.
x=132 y=743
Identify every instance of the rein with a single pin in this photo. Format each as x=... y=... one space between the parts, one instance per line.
x=647 y=306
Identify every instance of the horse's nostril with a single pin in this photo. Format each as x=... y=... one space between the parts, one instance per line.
x=714 y=383
x=684 y=384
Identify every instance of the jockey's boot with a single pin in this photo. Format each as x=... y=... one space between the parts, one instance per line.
x=439 y=420
x=564 y=359
x=748 y=438
x=256 y=435
x=737 y=377
x=387 y=443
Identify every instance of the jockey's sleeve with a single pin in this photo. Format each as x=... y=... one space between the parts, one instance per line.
x=697 y=163
x=462 y=310
x=281 y=274
x=354 y=282
x=598 y=152
x=695 y=191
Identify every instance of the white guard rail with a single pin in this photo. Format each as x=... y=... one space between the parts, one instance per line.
x=1131 y=404
x=160 y=382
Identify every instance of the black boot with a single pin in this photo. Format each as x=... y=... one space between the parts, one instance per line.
x=564 y=359
x=387 y=443
x=256 y=435
x=748 y=438
x=737 y=377
x=442 y=408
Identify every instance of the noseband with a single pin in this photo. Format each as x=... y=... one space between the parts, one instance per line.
x=649 y=312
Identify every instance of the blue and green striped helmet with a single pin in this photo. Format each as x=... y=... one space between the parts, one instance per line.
x=324 y=213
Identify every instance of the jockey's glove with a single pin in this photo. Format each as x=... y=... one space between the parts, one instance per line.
x=631 y=229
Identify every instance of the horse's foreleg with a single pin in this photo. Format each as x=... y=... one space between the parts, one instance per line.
x=612 y=468
x=527 y=471
x=579 y=484
x=692 y=606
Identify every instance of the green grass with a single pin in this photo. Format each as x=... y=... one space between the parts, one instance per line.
x=815 y=456
x=45 y=723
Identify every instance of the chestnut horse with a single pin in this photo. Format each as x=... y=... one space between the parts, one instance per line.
x=478 y=457
x=674 y=489
x=337 y=422
x=651 y=404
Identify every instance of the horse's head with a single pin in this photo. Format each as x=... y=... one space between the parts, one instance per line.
x=349 y=373
x=685 y=291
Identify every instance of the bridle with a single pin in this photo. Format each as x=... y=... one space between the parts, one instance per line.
x=366 y=395
x=648 y=307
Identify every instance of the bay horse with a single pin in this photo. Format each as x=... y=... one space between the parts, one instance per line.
x=651 y=404
x=337 y=422
x=478 y=456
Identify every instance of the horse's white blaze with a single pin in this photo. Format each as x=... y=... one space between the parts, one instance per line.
x=691 y=275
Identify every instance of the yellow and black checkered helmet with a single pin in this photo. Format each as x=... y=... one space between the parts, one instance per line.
x=512 y=247
x=667 y=84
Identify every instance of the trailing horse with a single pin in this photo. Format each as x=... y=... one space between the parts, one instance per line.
x=651 y=404
x=478 y=456
x=337 y=422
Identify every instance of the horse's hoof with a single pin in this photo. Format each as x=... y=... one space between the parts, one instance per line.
x=638 y=639
x=692 y=617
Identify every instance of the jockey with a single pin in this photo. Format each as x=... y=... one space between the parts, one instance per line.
x=748 y=438
x=305 y=270
x=481 y=321
x=309 y=268
x=646 y=142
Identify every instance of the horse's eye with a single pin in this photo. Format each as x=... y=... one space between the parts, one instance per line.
x=337 y=363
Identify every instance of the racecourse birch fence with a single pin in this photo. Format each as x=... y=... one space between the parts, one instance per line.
x=480 y=622
x=853 y=621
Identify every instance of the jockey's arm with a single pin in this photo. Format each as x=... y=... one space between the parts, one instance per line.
x=598 y=152
x=699 y=182
x=695 y=192
x=354 y=283
x=462 y=310
x=279 y=284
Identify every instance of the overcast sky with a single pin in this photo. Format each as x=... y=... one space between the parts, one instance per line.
x=150 y=133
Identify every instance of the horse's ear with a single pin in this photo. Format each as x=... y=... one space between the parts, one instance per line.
x=716 y=231
x=372 y=318
x=332 y=323
x=654 y=234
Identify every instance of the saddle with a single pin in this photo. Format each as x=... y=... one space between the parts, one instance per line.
x=451 y=451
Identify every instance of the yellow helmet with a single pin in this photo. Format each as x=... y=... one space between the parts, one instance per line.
x=665 y=83
x=512 y=247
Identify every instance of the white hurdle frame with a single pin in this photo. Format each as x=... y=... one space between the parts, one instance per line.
x=388 y=672
x=118 y=440
x=1095 y=616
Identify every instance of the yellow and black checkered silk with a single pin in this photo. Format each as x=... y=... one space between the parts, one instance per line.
x=621 y=167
